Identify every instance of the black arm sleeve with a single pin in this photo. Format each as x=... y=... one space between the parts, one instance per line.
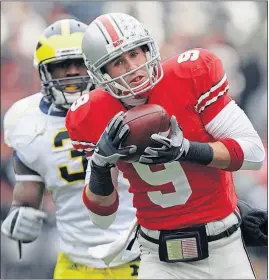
x=100 y=180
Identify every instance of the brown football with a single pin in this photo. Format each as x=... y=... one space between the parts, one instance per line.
x=145 y=120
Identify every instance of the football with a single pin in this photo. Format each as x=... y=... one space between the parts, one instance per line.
x=145 y=120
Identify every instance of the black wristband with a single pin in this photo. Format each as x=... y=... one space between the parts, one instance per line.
x=100 y=180
x=201 y=153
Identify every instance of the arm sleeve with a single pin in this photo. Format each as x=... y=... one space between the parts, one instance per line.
x=232 y=123
x=21 y=127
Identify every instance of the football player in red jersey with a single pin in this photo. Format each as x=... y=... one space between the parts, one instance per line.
x=183 y=191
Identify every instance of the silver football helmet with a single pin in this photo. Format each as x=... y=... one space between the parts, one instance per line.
x=109 y=36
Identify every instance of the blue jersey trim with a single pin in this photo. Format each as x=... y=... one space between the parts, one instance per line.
x=45 y=106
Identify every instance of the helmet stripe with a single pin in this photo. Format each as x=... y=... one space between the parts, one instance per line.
x=104 y=20
x=116 y=25
x=65 y=27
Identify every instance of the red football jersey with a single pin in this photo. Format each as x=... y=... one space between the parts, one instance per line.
x=173 y=195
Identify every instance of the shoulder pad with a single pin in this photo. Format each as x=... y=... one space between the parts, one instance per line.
x=23 y=122
x=191 y=63
x=89 y=115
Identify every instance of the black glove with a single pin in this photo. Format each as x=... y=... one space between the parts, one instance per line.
x=255 y=228
x=108 y=149
x=172 y=149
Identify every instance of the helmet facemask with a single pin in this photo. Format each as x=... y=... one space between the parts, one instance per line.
x=123 y=90
x=63 y=91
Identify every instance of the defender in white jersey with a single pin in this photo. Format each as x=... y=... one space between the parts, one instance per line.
x=44 y=160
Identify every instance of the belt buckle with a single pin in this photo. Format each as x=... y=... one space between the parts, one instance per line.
x=229 y=231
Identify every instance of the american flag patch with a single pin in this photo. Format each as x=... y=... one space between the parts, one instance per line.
x=189 y=248
x=179 y=249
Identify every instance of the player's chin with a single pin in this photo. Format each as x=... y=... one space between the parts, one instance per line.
x=138 y=89
x=143 y=95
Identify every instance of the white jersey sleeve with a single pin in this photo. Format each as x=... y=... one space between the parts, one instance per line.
x=232 y=122
x=21 y=127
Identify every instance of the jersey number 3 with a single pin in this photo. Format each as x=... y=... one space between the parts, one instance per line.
x=59 y=142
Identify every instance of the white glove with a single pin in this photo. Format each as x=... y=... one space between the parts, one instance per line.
x=23 y=224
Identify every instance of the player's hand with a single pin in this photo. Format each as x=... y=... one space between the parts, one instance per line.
x=171 y=150
x=255 y=228
x=108 y=149
x=23 y=224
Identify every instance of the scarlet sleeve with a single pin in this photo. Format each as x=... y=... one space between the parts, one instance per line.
x=88 y=117
x=210 y=84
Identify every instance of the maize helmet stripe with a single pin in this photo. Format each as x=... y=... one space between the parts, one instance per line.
x=65 y=26
x=108 y=28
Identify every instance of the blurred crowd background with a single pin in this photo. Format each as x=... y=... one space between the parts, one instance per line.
x=235 y=31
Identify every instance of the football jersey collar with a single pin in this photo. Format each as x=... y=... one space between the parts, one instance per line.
x=48 y=108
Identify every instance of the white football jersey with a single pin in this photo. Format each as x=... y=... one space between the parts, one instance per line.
x=41 y=142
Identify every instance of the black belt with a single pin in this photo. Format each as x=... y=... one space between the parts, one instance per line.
x=229 y=231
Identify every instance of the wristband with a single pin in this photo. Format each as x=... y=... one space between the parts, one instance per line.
x=100 y=210
x=100 y=180
x=201 y=153
x=236 y=154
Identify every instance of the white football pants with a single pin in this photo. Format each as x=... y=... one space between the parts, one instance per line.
x=227 y=257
